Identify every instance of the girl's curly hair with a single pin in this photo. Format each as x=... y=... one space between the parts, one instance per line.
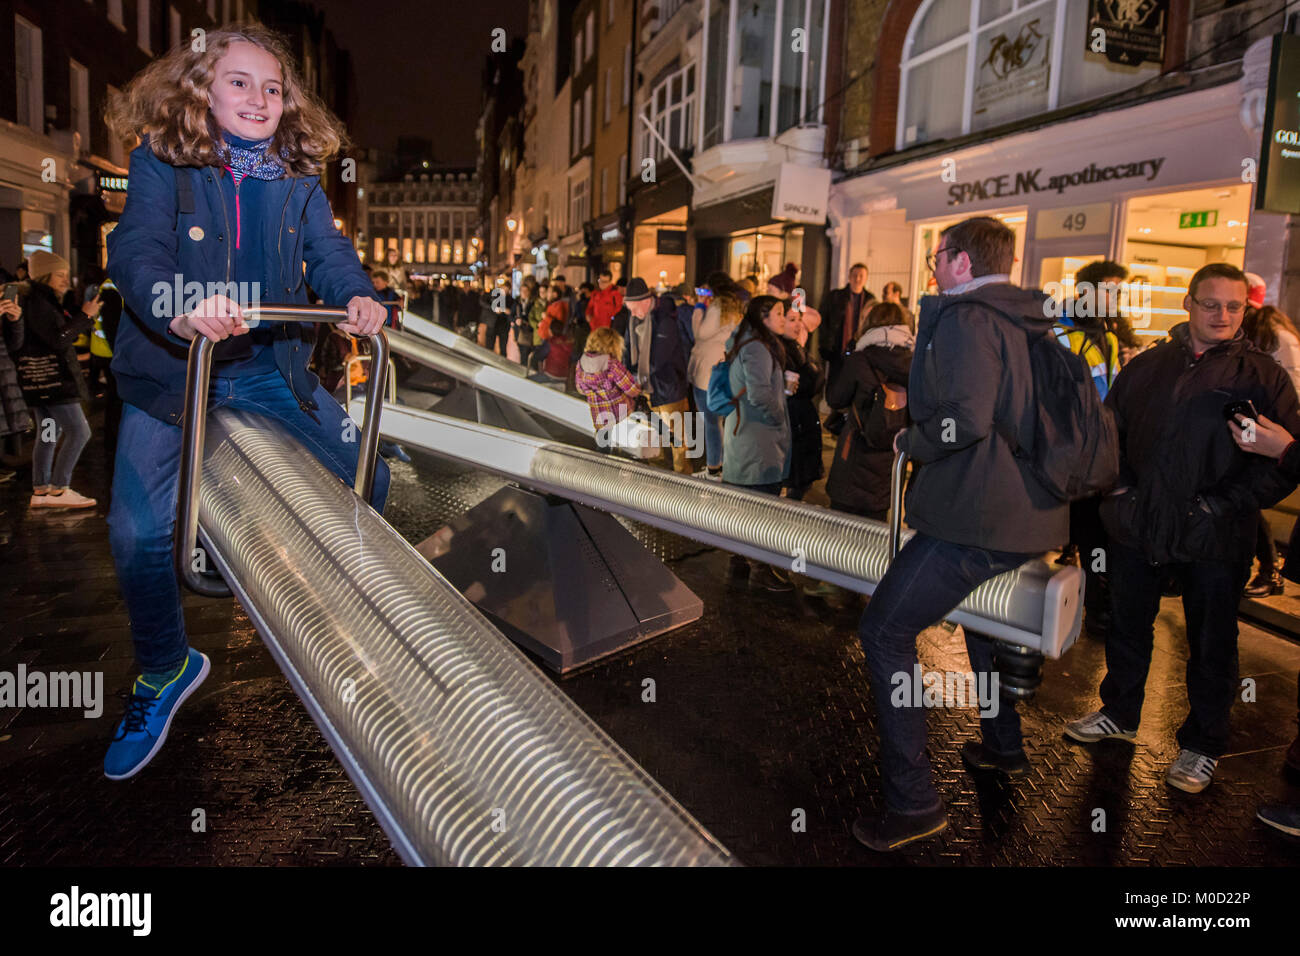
x=167 y=101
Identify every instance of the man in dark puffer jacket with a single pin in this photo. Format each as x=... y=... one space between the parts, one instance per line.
x=977 y=509
x=1187 y=501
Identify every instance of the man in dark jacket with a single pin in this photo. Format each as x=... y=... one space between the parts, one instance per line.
x=654 y=353
x=843 y=311
x=1187 y=502
x=978 y=510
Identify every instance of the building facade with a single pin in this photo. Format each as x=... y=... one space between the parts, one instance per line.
x=608 y=226
x=427 y=219
x=542 y=182
x=1089 y=137
x=665 y=107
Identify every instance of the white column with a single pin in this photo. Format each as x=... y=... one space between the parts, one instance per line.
x=730 y=60
x=777 y=42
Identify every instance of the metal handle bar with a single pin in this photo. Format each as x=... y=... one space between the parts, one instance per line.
x=896 y=503
x=198 y=377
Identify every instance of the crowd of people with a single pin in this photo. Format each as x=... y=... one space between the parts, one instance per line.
x=955 y=390
x=1202 y=421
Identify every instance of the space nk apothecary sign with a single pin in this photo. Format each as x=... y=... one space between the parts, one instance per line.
x=1279 y=154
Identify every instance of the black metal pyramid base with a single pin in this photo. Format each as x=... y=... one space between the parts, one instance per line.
x=562 y=580
x=475 y=405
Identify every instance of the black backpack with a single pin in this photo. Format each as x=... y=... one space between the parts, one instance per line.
x=1076 y=444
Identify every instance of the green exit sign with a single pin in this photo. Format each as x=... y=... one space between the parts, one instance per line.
x=1198 y=220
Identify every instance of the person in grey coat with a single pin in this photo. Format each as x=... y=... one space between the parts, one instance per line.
x=977 y=509
x=757 y=430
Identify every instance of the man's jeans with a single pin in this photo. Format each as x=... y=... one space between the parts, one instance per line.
x=1211 y=593
x=927 y=579
x=146 y=478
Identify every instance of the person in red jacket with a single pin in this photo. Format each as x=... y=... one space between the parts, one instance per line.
x=604 y=302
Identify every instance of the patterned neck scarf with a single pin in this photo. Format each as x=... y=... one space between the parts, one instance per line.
x=247 y=158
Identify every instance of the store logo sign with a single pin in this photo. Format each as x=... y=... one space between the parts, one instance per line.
x=1279 y=178
x=1031 y=181
x=801 y=193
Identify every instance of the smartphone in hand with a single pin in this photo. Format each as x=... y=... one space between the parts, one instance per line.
x=1243 y=407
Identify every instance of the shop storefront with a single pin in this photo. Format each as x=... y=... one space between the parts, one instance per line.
x=607 y=245
x=1162 y=187
x=33 y=195
x=741 y=237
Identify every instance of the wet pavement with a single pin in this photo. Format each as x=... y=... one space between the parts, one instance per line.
x=761 y=711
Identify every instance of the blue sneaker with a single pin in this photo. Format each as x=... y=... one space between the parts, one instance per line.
x=149 y=713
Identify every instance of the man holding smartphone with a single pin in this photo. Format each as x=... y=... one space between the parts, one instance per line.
x=1186 y=501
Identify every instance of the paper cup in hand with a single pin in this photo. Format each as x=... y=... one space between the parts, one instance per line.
x=791 y=382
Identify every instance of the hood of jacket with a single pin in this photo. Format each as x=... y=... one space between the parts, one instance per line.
x=888 y=336
x=1181 y=335
x=1027 y=308
x=593 y=363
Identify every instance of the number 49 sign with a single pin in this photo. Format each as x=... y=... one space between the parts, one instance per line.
x=1070 y=221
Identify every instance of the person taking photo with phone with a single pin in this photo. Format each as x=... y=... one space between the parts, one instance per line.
x=1186 y=503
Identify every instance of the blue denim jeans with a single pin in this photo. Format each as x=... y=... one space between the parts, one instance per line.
x=146 y=477
x=712 y=429
x=71 y=432
x=927 y=579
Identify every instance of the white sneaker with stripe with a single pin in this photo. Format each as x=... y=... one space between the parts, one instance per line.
x=1191 y=772
x=1097 y=726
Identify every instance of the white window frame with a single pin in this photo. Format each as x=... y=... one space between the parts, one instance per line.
x=79 y=97
x=579 y=203
x=686 y=110
x=577 y=127
x=143 y=20
x=586 y=116
x=115 y=14
x=969 y=40
x=173 y=27
x=577 y=52
x=31 y=33
x=609 y=93
x=609 y=15
x=591 y=35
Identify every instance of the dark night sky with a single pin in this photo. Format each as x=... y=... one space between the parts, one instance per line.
x=418 y=66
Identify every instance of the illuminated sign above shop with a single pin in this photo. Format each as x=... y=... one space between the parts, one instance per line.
x=113 y=183
x=1279 y=154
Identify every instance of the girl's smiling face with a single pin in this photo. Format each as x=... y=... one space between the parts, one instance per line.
x=247 y=94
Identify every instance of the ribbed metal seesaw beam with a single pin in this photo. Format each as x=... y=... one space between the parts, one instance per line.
x=428 y=344
x=466 y=753
x=1035 y=606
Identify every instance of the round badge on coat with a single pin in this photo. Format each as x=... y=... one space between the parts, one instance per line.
x=196 y=233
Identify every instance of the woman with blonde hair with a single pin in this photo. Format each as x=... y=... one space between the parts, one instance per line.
x=225 y=193
x=712 y=326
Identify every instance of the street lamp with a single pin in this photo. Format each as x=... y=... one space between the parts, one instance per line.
x=511 y=223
